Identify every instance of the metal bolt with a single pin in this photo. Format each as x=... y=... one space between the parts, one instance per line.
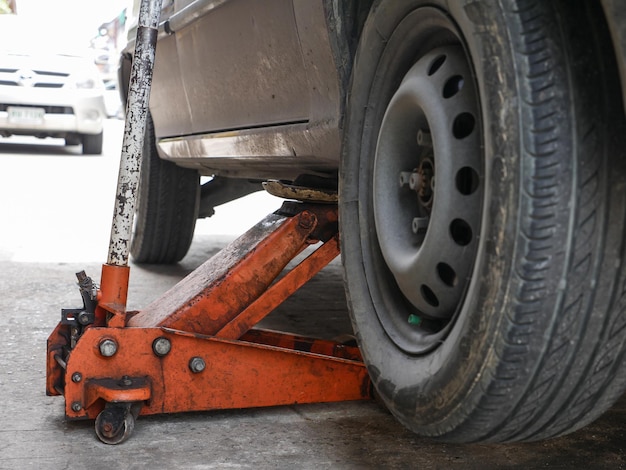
x=197 y=364
x=77 y=377
x=161 y=346
x=415 y=181
x=76 y=407
x=83 y=318
x=424 y=138
x=405 y=177
x=419 y=224
x=126 y=381
x=307 y=220
x=108 y=347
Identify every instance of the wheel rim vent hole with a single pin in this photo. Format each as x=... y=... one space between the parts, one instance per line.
x=467 y=180
x=447 y=274
x=461 y=232
x=429 y=296
x=463 y=125
x=453 y=86
x=436 y=64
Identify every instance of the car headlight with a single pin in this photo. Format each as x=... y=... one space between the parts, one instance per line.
x=84 y=81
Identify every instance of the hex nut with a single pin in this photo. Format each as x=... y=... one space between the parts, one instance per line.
x=161 y=346
x=76 y=407
x=197 y=364
x=424 y=138
x=77 y=377
x=108 y=347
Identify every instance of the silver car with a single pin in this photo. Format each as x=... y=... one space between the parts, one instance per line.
x=49 y=94
x=479 y=153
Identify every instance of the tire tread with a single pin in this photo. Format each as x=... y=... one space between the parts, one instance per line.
x=167 y=208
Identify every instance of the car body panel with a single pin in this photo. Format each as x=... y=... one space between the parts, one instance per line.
x=255 y=45
x=265 y=153
x=252 y=87
x=258 y=89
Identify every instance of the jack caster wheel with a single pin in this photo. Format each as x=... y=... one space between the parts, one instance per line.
x=115 y=424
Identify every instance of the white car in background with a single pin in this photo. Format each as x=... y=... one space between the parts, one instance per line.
x=48 y=94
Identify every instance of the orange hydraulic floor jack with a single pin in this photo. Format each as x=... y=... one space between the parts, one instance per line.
x=195 y=347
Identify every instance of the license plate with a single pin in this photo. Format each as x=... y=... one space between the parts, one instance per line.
x=21 y=115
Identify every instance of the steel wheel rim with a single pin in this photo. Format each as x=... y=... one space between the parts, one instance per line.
x=428 y=195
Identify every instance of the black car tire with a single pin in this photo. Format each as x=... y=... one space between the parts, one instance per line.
x=92 y=144
x=73 y=139
x=490 y=306
x=167 y=207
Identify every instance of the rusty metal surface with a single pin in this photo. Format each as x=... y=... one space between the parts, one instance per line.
x=56 y=347
x=136 y=116
x=279 y=291
x=218 y=290
x=113 y=295
x=120 y=389
x=265 y=153
x=184 y=353
x=237 y=375
x=299 y=193
x=304 y=344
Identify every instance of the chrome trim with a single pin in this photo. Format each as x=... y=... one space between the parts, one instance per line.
x=188 y=15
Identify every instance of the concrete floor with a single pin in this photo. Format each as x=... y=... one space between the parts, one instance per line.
x=42 y=246
x=34 y=433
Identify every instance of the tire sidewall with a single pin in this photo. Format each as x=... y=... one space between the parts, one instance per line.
x=434 y=390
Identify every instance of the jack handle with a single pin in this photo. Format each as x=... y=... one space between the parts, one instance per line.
x=115 y=273
x=132 y=144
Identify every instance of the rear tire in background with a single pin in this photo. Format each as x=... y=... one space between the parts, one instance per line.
x=92 y=144
x=490 y=306
x=167 y=207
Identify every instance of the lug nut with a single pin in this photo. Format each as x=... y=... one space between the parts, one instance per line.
x=83 y=318
x=405 y=177
x=419 y=224
x=77 y=377
x=108 y=347
x=424 y=138
x=412 y=179
x=161 y=346
x=415 y=181
x=197 y=364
